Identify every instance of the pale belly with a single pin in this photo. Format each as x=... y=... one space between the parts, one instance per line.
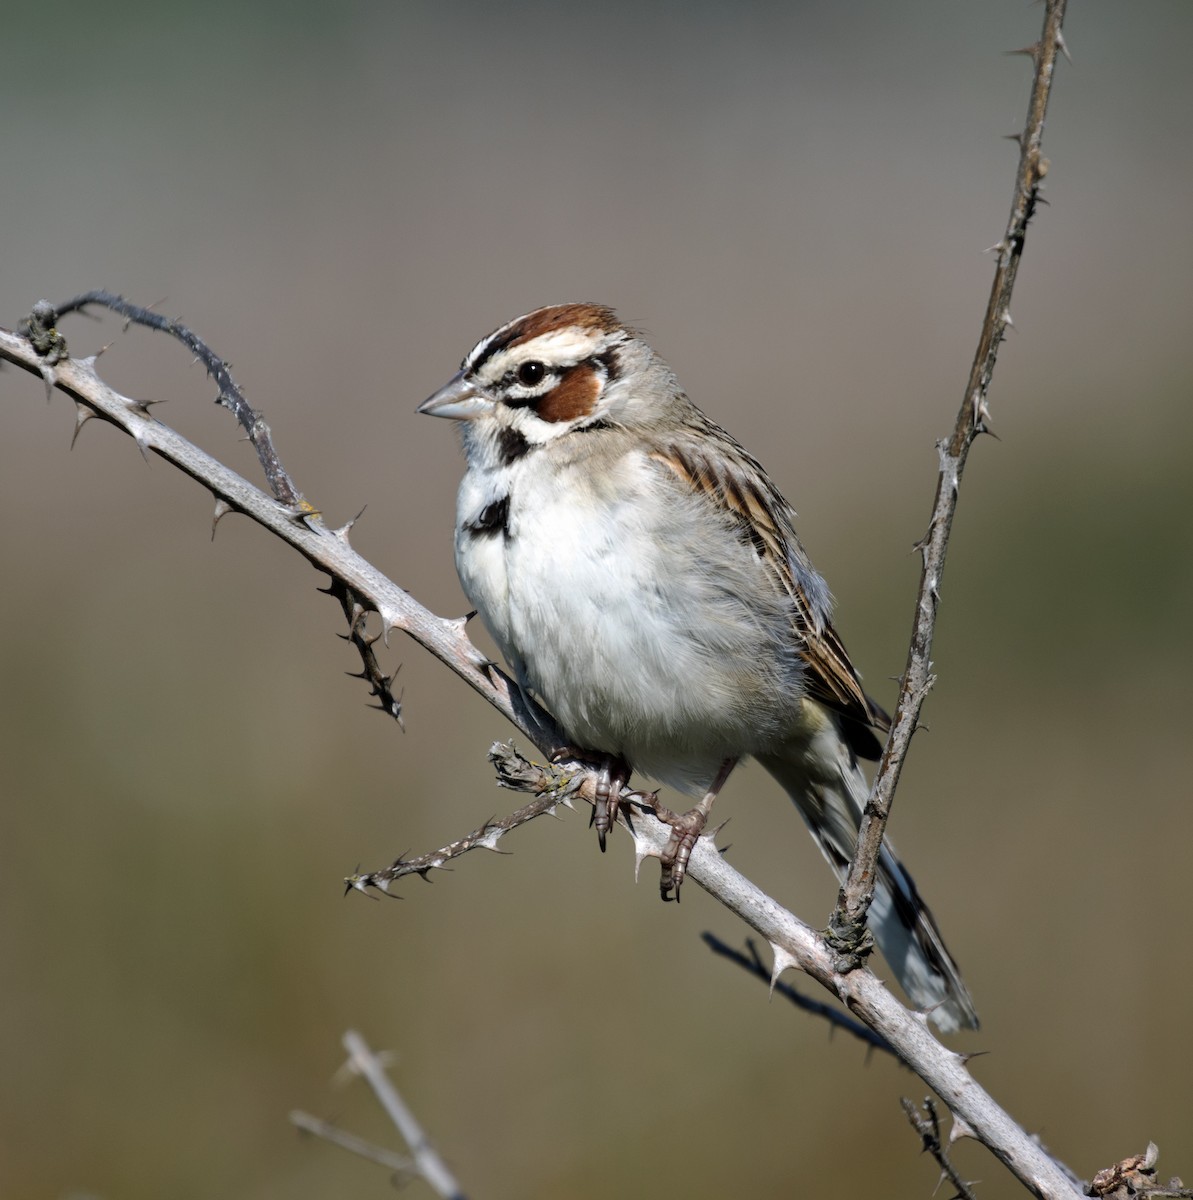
x=660 y=640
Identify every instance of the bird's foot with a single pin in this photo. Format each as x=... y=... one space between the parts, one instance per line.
x=613 y=773
x=686 y=829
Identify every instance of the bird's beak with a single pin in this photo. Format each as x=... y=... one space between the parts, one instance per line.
x=458 y=399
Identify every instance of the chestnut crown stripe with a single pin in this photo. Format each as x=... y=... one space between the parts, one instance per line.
x=596 y=317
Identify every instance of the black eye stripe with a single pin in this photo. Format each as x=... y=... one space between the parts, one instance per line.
x=606 y=363
x=547 y=378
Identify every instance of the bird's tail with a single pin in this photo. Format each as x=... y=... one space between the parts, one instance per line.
x=821 y=774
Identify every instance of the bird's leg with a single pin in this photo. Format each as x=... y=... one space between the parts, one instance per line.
x=686 y=829
x=613 y=773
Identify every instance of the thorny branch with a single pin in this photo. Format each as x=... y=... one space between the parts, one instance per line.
x=847 y=931
x=927 y=1125
x=551 y=787
x=793 y=943
x=362 y=589
x=41 y=329
x=230 y=396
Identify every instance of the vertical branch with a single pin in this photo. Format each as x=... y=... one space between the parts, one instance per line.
x=846 y=929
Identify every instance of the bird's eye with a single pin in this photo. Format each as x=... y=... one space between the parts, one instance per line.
x=530 y=373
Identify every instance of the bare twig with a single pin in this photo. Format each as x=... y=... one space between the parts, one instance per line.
x=229 y=396
x=426 y=1158
x=359 y=586
x=551 y=786
x=401 y=1164
x=927 y=1125
x=380 y=684
x=847 y=926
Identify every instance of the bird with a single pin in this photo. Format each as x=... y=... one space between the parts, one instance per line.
x=640 y=572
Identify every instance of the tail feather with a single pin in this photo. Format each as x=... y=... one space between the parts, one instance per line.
x=821 y=774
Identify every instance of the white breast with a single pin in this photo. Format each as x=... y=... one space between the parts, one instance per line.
x=635 y=610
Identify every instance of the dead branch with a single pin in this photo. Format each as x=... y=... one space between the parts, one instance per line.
x=423 y=1162
x=926 y=1123
x=793 y=943
x=847 y=930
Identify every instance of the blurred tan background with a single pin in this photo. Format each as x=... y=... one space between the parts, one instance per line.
x=793 y=201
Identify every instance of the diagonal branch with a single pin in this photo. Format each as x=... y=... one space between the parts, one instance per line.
x=427 y=1161
x=793 y=943
x=362 y=589
x=751 y=962
x=847 y=926
x=401 y=1165
x=44 y=317
x=423 y=1162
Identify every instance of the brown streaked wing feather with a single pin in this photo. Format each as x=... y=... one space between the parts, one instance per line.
x=738 y=485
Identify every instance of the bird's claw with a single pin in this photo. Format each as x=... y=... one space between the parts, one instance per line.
x=613 y=773
x=686 y=829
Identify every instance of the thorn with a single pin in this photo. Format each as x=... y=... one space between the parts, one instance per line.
x=83 y=414
x=981 y=412
x=780 y=960
x=142 y=442
x=1064 y=49
x=141 y=407
x=1031 y=51
x=47 y=374
x=1000 y=246
x=360 y=883
x=345 y=529
x=301 y=512
x=961 y=1129
x=222 y=509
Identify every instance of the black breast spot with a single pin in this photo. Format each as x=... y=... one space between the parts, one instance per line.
x=511 y=446
x=493 y=518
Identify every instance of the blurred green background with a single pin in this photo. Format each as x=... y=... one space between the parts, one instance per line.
x=793 y=200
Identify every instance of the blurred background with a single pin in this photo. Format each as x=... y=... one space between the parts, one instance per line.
x=793 y=201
